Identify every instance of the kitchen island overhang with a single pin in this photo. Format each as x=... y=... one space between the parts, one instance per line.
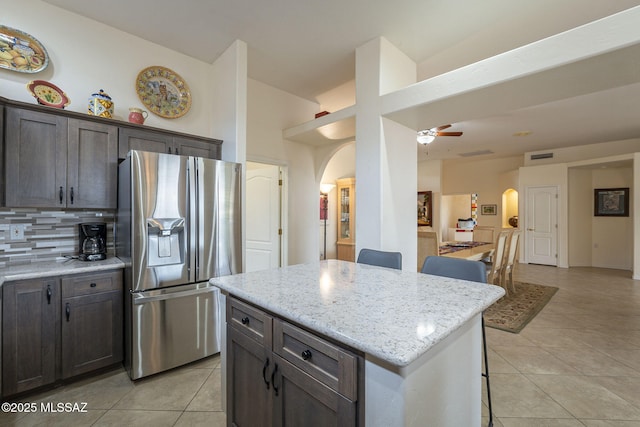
x=420 y=335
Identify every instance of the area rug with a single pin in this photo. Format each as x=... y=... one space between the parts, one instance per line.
x=512 y=313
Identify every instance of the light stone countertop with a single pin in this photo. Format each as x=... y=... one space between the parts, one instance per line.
x=393 y=315
x=57 y=268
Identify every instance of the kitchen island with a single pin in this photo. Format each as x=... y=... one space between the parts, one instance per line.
x=417 y=338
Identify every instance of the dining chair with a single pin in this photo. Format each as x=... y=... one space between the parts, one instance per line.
x=510 y=259
x=380 y=258
x=494 y=273
x=483 y=234
x=475 y=271
x=428 y=245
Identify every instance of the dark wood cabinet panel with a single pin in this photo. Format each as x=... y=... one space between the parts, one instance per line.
x=139 y=139
x=301 y=400
x=158 y=142
x=92 y=165
x=248 y=382
x=53 y=161
x=2 y=179
x=92 y=334
x=64 y=159
x=92 y=324
x=196 y=148
x=36 y=151
x=30 y=335
x=56 y=328
x=281 y=375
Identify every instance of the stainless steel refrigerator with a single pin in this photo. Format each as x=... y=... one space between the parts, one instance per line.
x=178 y=225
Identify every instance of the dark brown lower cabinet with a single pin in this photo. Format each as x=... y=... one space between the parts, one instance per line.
x=301 y=400
x=92 y=324
x=56 y=328
x=249 y=393
x=30 y=333
x=281 y=375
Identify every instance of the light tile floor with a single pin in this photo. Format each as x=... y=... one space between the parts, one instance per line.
x=576 y=364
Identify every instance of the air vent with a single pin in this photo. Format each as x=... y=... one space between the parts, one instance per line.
x=475 y=153
x=541 y=156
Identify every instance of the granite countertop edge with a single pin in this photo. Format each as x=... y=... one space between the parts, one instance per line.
x=400 y=352
x=37 y=270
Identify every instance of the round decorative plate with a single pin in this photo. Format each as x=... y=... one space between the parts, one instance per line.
x=21 y=52
x=164 y=92
x=48 y=94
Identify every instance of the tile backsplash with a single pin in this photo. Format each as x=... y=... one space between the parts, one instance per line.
x=48 y=234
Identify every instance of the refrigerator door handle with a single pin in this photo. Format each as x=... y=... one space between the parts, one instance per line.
x=139 y=298
x=189 y=225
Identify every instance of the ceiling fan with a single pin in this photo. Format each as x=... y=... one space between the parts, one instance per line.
x=427 y=136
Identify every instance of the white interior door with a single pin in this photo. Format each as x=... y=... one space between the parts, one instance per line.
x=262 y=217
x=542 y=225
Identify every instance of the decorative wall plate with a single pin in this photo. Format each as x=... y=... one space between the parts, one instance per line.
x=48 y=94
x=21 y=52
x=163 y=92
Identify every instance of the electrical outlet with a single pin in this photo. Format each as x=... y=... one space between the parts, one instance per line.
x=16 y=232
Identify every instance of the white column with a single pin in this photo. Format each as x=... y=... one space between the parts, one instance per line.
x=635 y=211
x=386 y=155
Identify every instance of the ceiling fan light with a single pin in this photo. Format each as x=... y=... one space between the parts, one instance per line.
x=424 y=137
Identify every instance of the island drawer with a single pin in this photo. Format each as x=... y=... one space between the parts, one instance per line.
x=254 y=323
x=323 y=360
x=92 y=283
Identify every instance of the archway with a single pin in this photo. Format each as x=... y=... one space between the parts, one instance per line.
x=510 y=208
x=341 y=165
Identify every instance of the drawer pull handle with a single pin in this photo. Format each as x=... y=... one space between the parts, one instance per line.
x=273 y=375
x=264 y=372
x=245 y=320
x=93 y=285
x=306 y=355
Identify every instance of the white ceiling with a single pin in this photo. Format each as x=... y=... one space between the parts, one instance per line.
x=307 y=48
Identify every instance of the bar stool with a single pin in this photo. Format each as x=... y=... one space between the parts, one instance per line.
x=380 y=258
x=463 y=269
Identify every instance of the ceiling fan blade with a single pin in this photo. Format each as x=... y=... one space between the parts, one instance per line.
x=439 y=128
x=448 y=133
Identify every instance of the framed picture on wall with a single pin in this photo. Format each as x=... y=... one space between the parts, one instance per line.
x=424 y=208
x=489 y=209
x=611 y=201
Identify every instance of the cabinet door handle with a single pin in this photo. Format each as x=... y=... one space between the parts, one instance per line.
x=49 y=294
x=61 y=194
x=306 y=355
x=71 y=195
x=273 y=375
x=67 y=311
x=93 y=285
x=169 y=151
x=177 y=150
x=264 y=372
x=245 y=320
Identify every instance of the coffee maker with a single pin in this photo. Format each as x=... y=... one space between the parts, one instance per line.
x=93 y=237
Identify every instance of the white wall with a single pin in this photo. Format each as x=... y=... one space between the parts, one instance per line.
x=580 y=217
x=487 y=178
x=270 y=110
x=341 y=165
x=585 y=152
x=612 y=236
x=86 y=56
